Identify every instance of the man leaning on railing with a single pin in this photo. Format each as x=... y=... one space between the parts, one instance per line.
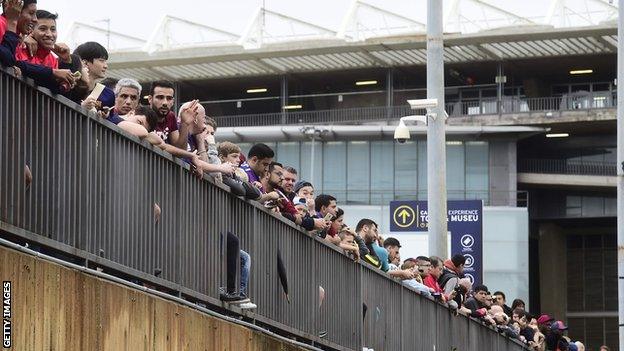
x=18 y=20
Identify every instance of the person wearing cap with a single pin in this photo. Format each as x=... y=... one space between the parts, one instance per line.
x=555 y=337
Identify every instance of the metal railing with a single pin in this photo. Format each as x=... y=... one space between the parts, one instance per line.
x=554 y=166
x=551 y=106
x=81 y=187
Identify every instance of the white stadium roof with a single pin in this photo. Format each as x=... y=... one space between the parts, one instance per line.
x=369 y=36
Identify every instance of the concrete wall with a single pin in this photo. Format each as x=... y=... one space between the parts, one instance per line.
x=503 y=174
x=553 y=269
x=56 y=308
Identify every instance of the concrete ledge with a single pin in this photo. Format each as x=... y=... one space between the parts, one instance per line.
x=537 y=117
x=567 y=180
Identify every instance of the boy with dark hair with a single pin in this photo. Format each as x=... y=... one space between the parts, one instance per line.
x=325 y=204
x=94 y=58
x=45 y=35
x=501 y=301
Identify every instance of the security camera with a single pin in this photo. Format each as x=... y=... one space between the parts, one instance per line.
x=401 y=133
x=423 y=103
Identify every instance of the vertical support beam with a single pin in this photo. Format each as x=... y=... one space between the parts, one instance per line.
x=176 y=97
x=389 y=92
x=499 y=88
x=284 y=96
x=620 y=172
x=436 y=138
x=313 y=154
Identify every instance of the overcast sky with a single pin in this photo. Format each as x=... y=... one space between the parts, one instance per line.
x=138 y=17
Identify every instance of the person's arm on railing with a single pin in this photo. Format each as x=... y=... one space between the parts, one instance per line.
x=10 y=39
x=401 y=273
x=188 y=114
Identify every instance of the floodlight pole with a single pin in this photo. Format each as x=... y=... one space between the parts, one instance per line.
x=620 y=171
x=436 y=138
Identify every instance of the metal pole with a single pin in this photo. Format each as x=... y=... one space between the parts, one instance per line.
x=499 y=88
x=620 y=171
x=312 y=162
x=389 y=92
x=436 y=139
x=284 y=96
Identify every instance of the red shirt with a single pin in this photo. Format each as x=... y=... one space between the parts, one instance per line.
x=166 y=127
x=43 y=57
x=3 y=26
x=432 y=283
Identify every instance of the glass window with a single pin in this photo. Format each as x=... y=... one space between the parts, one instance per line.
x=593 y=206
x=477 y=170
x=422 y=170
x=307 y=163
x=358 y=166
x=455 y=172
x=405 y=161
x=288 y=154
x=382 y=172
x=335 y=170
x=574 y=205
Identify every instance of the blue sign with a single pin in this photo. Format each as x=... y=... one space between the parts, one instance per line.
x=465 y=223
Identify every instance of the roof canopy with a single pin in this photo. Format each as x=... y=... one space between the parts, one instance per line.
x=369 y=36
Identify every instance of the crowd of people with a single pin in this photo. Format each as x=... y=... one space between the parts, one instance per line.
x=29 y=46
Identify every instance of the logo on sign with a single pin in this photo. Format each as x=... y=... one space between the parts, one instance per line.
x=469 y=261
x=467 y=241
x=404 y=216
x=470 y=277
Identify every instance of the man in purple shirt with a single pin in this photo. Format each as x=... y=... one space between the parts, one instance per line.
x=259 y=158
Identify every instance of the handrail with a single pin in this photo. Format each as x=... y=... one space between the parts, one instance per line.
x=91 y=193
x=563 y=166
x=552 y=106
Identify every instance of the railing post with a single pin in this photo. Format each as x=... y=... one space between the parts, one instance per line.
x=284 y=97
x=389 y=92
